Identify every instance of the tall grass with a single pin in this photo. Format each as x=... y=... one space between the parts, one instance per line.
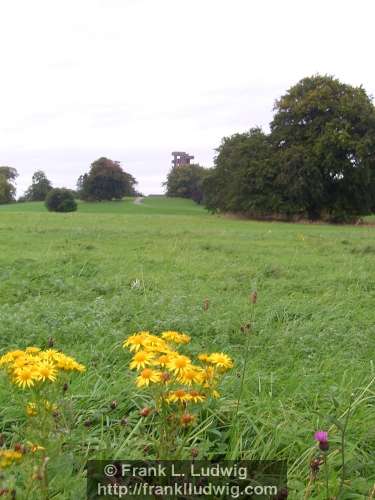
x=89 y=279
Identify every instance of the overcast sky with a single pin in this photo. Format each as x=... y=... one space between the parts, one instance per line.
x=134 y=80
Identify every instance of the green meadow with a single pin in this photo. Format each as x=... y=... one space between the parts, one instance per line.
x=89 y=279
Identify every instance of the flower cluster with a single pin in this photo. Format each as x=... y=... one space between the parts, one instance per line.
x=158 y=361
x=34 y=366
x=8 y=457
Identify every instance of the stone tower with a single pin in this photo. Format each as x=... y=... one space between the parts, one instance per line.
x=181 y=158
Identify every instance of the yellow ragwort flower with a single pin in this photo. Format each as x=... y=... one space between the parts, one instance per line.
x=221 y=360
x=32 y=350
x=140 y=360
x=7 y=457
x=177 y=396
x=191 y=375
x=176 y=337
x=148 y=376
x=25 y=376
x=46 y=371
x=178 y=364
x=136 y=341
x=196 y=397
x=31 y=409
x=204 y=357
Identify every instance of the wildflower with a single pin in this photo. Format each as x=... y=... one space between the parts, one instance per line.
x=162 y=360
x=50 y=406
x=204 y=357
x=187 y=419
x=8 y=457
x=221 y=360
x=176 y=337
x=178 y=396
x=146 y=376
x=35 y=447
x=32 y=350
x=208 y=376
x=178 y=364
x=136 y=341
x=141 y=359
x=46 y=371
x=145 y=412
x=26 y=376
x=196 y=397
x=190 y=375
x=31 y=409
x=322 y=438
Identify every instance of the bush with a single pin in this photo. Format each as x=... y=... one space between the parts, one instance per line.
x=61 y=200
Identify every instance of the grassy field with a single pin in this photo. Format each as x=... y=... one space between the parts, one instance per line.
x=91 y=278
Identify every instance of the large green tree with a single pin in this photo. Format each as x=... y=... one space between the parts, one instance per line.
x=186 y=181
x=8 y=176
x=39 y=188
x=323 y=135
x=106 y=180
x=242 y=180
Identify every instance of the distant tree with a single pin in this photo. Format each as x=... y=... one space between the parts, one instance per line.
x=8 y=176
x=106 y=180
x=60 y=200
x=39 y=188
x=242 y=180
x=186 y=181
x=323 y=134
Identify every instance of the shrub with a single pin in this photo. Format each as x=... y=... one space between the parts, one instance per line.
x=60 y=200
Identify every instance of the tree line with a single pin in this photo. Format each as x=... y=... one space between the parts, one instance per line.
x=316 y=162
x=105 y=180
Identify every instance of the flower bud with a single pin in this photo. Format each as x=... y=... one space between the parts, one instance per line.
x=145 y=412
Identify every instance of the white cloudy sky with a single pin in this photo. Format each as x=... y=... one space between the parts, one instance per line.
x=136 y=79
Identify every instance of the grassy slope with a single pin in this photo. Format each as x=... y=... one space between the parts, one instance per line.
x=69 y=277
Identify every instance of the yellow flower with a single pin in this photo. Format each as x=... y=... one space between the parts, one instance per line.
x=178 y=364
x=178 y=396
x=196 y=397
x=31 y=409
x=176 y=337
x=208 y=376
x=20 y=362
x=204 y=357
x=67 y=363
x=141 y=359
x=46 y=371
x=34 y=447
x=26 y=376
x=162 y=360
x=32 y=350
x=221 y=360
x=136 y=341
x=148 y=376
x=190 y=375
x=7 y=457
x=50 y=406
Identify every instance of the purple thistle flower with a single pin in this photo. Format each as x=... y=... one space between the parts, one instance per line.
x=321 y=436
